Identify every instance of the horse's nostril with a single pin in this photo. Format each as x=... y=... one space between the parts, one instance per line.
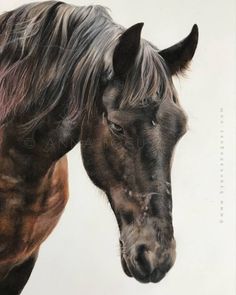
x=140 y=253
x=142 y=260
x=140 y=249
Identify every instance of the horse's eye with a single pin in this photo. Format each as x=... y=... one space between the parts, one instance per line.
x=115 y=127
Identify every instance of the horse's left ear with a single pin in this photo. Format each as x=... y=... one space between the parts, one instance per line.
x=178 y=56
x=126 y=50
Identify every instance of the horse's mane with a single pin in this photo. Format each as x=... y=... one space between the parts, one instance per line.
x=53 y=53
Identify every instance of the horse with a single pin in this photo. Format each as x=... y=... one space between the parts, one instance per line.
x=71 y=74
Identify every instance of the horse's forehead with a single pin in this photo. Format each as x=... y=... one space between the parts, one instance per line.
x=130 y=115
x=118 y=91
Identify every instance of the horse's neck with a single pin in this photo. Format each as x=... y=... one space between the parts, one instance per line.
x=33 y=155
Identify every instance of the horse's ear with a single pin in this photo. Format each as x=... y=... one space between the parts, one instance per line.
x=178 y=56
x=126 y=50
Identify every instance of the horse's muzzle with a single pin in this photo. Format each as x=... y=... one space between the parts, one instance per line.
x=144 y=268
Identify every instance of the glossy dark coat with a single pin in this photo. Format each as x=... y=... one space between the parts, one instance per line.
x=70 y=74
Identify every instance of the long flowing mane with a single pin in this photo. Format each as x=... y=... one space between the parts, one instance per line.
x=53 y=55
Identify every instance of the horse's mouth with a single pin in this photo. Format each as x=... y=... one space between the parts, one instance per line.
x=125 y=267
x=154 y=277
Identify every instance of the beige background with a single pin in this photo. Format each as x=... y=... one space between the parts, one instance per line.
x=82 y=254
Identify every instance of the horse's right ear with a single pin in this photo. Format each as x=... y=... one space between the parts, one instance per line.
x=126 y=50
x=178 y=56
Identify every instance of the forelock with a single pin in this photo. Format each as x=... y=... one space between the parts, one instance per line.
x=148 y=80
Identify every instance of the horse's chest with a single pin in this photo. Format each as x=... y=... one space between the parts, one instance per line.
x=28 y=217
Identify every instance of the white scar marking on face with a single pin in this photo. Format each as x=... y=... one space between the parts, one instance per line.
x=145 y=203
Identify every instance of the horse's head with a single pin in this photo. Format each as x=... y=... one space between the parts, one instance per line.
x=127 y=151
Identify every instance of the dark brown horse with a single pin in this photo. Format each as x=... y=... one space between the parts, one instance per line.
x=70 y=74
